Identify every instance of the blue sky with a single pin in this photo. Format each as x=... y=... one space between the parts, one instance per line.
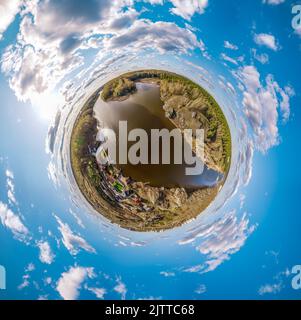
x=54 y=53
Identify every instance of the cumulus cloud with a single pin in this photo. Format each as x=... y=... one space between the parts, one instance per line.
x=219 y=240
x=71 y=281
x=262 y=101
x=8 y=11
x=187 y=8
x=32 y=72
x=72 y=241
x=124 y=20
x=13 y=222
x=68 y=15
x=46 y=255
x=163 y=36
x=267 y=40
x=51 y=33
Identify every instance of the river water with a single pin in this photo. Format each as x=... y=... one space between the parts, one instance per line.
x=144 y=109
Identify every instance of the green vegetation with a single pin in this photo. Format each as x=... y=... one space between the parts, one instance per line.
x=83 y=138
x=118 y=88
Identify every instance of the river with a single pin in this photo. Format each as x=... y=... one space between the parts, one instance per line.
x=144 y=109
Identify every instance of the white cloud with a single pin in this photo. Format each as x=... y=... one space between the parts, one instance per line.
x=46 y=255
x=9 y=174
x=71 y=281
x=167 y=274
x=10 y=188
x=163 y=36
x=226 y=85
x=8 y=11
x=267 y=40
x=52 y=173
x=99 y=292
x=227 y=238
x=219 y=240
x=121 y=288
x=187 y=8
x=33 y=72
x=230 y=45
x=279 y=279
x=263 y=58
x=261 y=102
x=41 y=58
x=11 y=196
x=285 y=94
x=72 y=241
x=31 y=267
x=270 y=289
x=273 y=2
x=25 y=283
x=201 y=289
x=154 y=1
x=228 y=59
x=48 y=281
x=13 y=222
x=242 y=199
x=230 y=87
x=77 y=218
x=248 y=160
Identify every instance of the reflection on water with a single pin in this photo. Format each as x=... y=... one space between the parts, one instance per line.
x=144 y=109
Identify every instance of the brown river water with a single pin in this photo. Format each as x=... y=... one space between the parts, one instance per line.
x=144 y=109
